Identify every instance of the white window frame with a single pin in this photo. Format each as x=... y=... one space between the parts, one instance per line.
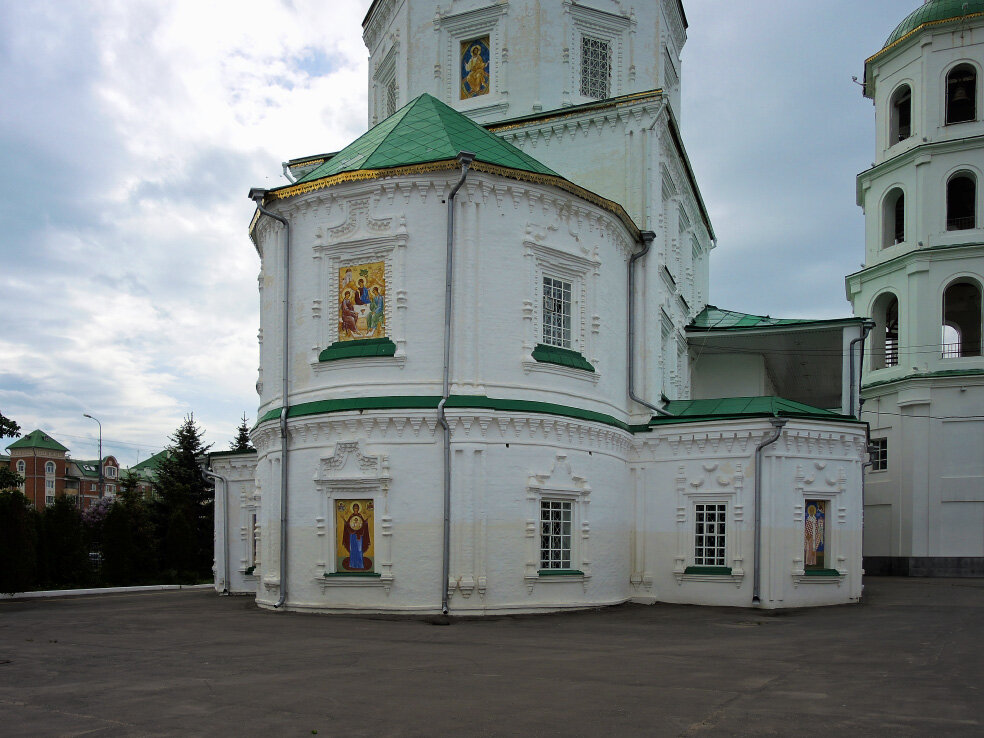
x=715 y=540
x=110 y=489
x=560 y=484
x=383 y=78
x=49 y=484
x=607 y=27
x=595 y=78
x=49 y=467
x=556 y=318
x=834 y=482
x=110 y=472
x=455 y=29
x=21 y=467
x=879 y=454
x=549 y=506
x=691 y=493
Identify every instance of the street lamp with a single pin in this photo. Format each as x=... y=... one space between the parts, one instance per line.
x=98 y=463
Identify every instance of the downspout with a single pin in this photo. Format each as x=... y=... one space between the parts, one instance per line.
x=465 y=158
x=286 y=168
x=225 y=524
x=866 y=327
x=647 y=242
x=777 y=424
x=257 y=195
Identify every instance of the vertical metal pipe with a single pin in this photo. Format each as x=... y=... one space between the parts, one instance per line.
x=647 y=242
x=465 y=158
x=225 y=524
x=777 y=424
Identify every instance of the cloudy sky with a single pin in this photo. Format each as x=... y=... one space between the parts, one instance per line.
x=131 y=131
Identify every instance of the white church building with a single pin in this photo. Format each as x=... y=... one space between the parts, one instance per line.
x=490 y=380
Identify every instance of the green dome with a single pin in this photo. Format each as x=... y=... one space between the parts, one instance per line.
x=935 y=11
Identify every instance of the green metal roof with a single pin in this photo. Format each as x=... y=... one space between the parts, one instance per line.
x=37 y=439
x=424 y=130
x=935 y=11
x=713 y=318
x=151 y=463
x=742 y=407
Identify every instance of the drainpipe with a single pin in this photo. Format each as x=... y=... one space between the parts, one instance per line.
x=225 y=524
x=647 y=242
x=287 y=173
x=465 y=158
x=256 y=195
x=866 y=327
x=777 y=424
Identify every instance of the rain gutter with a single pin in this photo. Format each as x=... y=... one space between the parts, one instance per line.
x=777 y=424
x=225 y=524
x=647 y=242
x=256 y=195
x=866 y=327
x=465 y=158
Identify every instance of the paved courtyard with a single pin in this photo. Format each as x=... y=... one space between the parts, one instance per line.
x=908 y=661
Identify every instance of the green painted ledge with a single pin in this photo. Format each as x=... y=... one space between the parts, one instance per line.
x=708 y=570
x=561 y=356
x=357 y=349
x=560 y=573
x=370 y=574
x=822 y=573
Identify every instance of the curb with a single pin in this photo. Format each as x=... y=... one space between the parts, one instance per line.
x=44 y=594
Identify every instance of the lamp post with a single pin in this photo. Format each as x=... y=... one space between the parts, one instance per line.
x=99 y=463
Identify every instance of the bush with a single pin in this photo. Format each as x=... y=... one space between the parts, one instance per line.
x=18 y=544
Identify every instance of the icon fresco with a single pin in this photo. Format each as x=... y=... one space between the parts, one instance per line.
x=475 y=64
x=813 y=534
x=361 y=301
x=353 y=545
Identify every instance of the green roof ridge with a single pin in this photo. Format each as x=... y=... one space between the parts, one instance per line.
x=714 y=318
x=37 y=439
x=422 y=131
x=935 y=11
x=737 y=407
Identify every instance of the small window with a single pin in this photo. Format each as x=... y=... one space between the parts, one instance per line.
x=111 y=472
x=901 y=115
x=878 y=453
x=961 y=203
x=556 y=522
x=49 y=485
x=49 y=500
x=596 y=68
x=92 y=487
x=110 y=489
x=893 y=218
x=961 y=94
x=49 y=468
x=709 y=534
x=391 y=98
x=21 y=466
x=557 y=312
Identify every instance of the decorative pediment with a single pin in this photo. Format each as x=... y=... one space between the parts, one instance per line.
x=348 y=462
x=358 y=222
x=560 y=477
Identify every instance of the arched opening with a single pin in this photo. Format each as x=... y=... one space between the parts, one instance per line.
x=893 y=218
x=961 y=319
x=885 y=336
x=961 y=94
x=21 y=467
x=961 y=203
x=900 y=115
x=49 y=468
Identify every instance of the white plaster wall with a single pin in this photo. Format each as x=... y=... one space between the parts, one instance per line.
x=535 y=51
x=232 y=506
x=737 y=375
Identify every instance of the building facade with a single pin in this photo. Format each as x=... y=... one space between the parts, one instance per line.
x=475 y=379
x=923 y=381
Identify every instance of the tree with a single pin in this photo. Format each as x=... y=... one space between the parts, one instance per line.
x=129 y=548
x=241 y=442
x=62 y=557
x=8 y=427
x=184 y=506
x=18 y=540
x=9 y=479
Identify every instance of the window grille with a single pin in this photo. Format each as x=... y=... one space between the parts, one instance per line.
x=556 y=312
x=878 y=451
x=596 y=67
x=555 y=534
x=391 y=97
x=709 y=535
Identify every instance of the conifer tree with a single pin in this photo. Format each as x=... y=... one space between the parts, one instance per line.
x=18 y=539
x=184 y=506
x=241 y=442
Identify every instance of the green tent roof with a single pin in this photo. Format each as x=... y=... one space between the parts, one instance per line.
x=935 y=11
x=151 y=463
x=742 y=407
x=712 y=318
x=38 y=439
x=424 y=130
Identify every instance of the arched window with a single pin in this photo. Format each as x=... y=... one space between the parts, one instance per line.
x=49 y=468
x=961 y=202
x=893 y=218
x=961 y=94
x=962 y=319
x=21 y=466
x=885 y=336
x=900 y=115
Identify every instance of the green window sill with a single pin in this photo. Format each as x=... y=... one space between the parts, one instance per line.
x=822 y=573
x=708 y=570
x=561 y=356
x=560 y=573
x=333 y=574
x=357 y=349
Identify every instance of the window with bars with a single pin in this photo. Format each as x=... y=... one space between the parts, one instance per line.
x=556 y=521
x=596 y=67
x=709 y=534
x=878 y=453
x=557 y=312
x=391 y=97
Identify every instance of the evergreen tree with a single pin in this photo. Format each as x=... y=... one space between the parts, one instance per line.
x=128 y=545
x=184 y=505
x=242 y=443
x=63 y=561
x=18 y=540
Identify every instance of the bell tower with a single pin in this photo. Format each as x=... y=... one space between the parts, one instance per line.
x=921 y=284
x=499 y=59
